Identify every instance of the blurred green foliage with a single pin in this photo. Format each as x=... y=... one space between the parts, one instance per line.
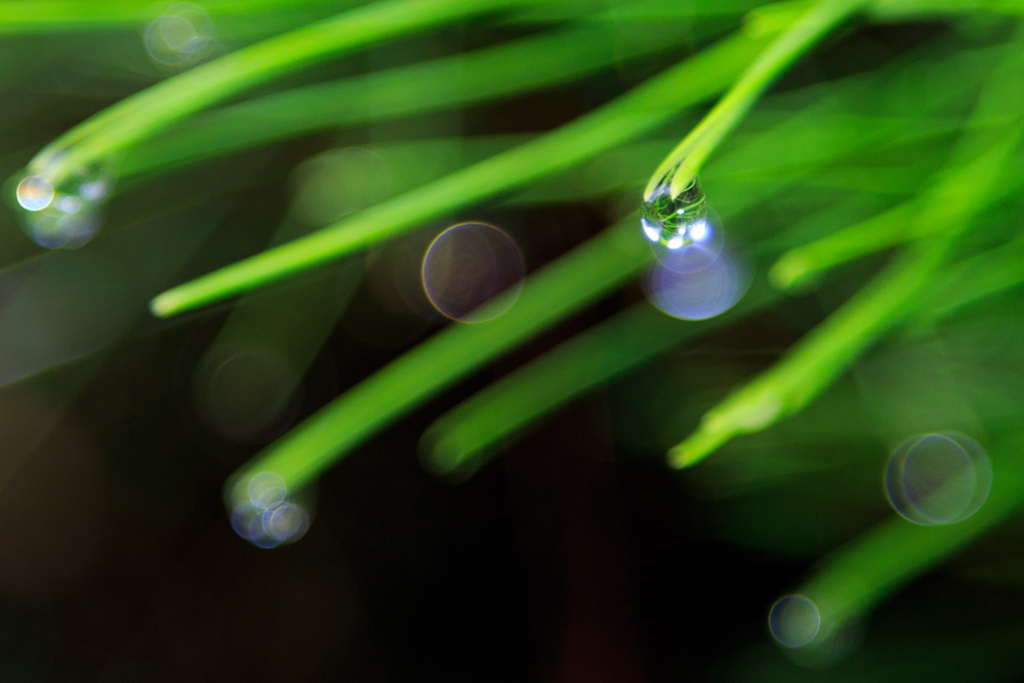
x=877 y=208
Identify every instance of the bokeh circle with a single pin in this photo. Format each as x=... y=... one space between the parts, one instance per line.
x=468 y=265
x=938 y=478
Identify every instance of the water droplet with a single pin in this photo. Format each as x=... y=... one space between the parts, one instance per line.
x=467 y=265
x=794 y=621
x=271 y=516
x=182 y=35
x=700 y=294
x=66 y=216
x=938 y=478
x=687 y=237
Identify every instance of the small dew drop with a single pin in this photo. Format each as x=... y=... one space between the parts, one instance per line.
x=938 y=478
x=794 y=621
x=55 y=229
x=271 y=516
x=66 y=216
x=95 y=190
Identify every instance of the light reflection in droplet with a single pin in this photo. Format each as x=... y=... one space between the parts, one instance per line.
x=652 y=231
x=693 y=246
x=697 y=295
x=468 y=264
x=181 y=35
x=794 y=621
x=701 y=232
x=34 y=193
x=938 y=478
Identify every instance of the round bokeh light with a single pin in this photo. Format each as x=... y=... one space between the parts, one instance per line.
x=794 y=621
x=700 y=294
x=469 y=264
x=938 y=478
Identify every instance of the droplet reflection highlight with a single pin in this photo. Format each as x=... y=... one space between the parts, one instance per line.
x=938 y=478
x=794 y=621
x=469 y=264
x=34 y=193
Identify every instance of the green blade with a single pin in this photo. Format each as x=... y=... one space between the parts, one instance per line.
x=625 y=118
x=508 y=69
x=141 y=115
x=855 y=578
x=556 y=291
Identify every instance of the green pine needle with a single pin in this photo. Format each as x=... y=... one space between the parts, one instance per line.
x=556 y=291
x=682 y=164
x=143 y=114
x=625 y=118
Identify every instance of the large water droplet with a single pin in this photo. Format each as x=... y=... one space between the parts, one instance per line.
x=687 y=237
x=938 y=478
